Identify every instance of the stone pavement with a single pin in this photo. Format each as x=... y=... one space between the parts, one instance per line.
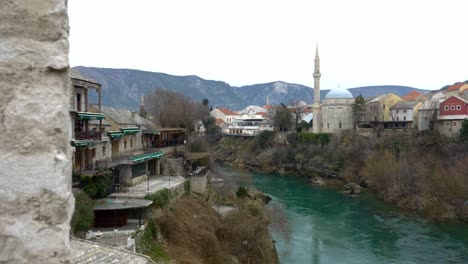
x=156 y=183
x=86 y=252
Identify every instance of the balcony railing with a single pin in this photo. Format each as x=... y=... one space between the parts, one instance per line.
x=88 y=135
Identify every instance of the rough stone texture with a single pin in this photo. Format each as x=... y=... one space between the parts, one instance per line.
x=84 y=252
x=35 y=184
x=198 y=184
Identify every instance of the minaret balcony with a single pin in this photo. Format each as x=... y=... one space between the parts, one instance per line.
x=317 y=74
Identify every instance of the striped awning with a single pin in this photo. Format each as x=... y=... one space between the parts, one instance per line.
x=90 y=116
x=81 y=143
x=147 y=156
x=130 y=130
x=115 y=134
x=151 y=131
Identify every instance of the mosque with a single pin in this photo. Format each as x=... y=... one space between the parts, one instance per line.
x=335 y=113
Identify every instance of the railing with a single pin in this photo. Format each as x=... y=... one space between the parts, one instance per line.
x=168 y=143
x=124 y=157
x=88 y=135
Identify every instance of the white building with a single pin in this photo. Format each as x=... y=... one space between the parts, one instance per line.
x=224 y=114
x=337 y=111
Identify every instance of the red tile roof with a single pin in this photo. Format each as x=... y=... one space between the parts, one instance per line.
x=227 y=111
x=411 y=96
x=219 y=121
x=268 y=107
x=455 y=87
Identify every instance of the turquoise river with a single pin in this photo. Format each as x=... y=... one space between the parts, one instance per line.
x=331 y=227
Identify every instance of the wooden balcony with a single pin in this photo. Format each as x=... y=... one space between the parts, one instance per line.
x=91 y=135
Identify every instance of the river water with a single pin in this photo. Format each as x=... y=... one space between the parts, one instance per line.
x=330 y=227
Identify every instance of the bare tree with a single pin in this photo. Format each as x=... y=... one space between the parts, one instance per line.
x=172 y=109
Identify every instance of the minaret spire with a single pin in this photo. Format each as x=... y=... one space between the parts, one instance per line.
x=142 y=107
x=316 y=106
x=317 y=76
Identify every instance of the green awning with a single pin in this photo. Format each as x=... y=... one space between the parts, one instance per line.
x=90 y=116
x=130 y=130
x=151 y=131
x=115 y=134
x=81 y=143
x=147 y=156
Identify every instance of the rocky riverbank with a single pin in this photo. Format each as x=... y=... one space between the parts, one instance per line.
x=394 y=167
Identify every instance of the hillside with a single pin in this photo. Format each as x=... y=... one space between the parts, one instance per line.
x=122 y=88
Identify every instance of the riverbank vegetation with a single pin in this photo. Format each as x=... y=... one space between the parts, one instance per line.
x=421 y=171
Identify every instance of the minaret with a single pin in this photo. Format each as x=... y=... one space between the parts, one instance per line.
x=142 y=107
x=316 y=105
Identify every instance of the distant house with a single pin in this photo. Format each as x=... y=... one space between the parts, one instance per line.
x=453 y=111
x=246 y=127
x=456 y=89
x=378 y=109
x=199 y=127
x=405 y=114
x=411 y=96
x=429 y=111
x=221 y=124
x=225 y=114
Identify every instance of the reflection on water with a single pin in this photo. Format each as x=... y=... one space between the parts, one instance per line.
x=329 y=227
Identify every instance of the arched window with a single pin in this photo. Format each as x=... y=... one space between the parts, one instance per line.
x=340 y=124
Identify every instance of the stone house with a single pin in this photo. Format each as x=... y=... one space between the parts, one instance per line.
x=429 y=111
x=84 y=136
x=128 y=155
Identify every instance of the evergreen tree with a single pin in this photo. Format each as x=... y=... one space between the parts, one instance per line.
x=359 y=109
x=464 y=131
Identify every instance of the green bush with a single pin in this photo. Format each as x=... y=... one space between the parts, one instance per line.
x=97 y=186
x=149 y=245
x=83 y=216
x=187 y=186
x=309 y=138
x=264 y=139
x=160 y=199
x=241 y=191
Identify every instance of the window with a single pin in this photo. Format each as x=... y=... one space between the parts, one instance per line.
x=446 y=108
x=458 y=107
x=104 y=150
x=397 y=118
x=322 y=125
x=340 y=124
x=452 y=107
x=404 y=111
x=383 y=106
x=94 y=152
x=454 y=123
x=328 y=125
x=125 y=144
x=131 y=143
x=78 y=102
x=404 y=118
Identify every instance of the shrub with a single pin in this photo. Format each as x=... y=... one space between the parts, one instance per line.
x=160 y=199
x=309 y=138
x=187 y=186
x=83 y=216
x=264 y=139
x=241 y=191
x=97 y=186
x=149 y=245
x=464 y=131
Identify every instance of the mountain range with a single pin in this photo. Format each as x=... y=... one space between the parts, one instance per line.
x=122 y=88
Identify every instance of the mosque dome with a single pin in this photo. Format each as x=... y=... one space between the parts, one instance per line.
x=338 y=94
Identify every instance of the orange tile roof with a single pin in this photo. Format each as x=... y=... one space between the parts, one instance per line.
x=268 y=107
x=219 y=121
x=226 y=111
x=411 y=96
x=455 y=87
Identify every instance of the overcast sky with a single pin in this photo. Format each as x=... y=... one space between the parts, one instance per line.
x=423 y=44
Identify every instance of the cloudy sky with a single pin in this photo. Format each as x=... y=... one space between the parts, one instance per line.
x=423 y=44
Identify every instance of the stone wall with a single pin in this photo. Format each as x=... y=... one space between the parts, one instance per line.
x=36 y=202
x=173 y=167
x=198 y=184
